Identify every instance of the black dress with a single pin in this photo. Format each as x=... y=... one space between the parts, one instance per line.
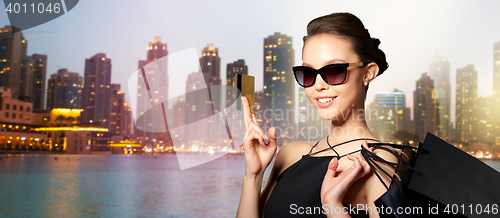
x=298 y=188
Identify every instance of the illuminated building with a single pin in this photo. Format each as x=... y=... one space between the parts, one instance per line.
x=485 y=119
x=496 y=92
x=152 y=92
x=96 y=91
x=196 y=109
x=17 y=121
x=279 y=86
x=425 y=112
x=13 y=48
x=237 y=67
x=387 y=115
x=38 y=84
x=210 y=67
x=64 y=90
x=466 y=104
x=439 y=71
x=120 y=123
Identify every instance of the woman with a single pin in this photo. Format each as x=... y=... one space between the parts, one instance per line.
x=339 y=60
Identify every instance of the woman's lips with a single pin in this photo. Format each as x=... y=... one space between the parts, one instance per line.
x=327 y=101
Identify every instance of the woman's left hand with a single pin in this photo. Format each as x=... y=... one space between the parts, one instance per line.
x=335 y=186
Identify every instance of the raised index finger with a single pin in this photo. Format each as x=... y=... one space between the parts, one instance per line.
x=246 y=110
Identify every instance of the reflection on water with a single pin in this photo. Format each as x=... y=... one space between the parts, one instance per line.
x=120 y=186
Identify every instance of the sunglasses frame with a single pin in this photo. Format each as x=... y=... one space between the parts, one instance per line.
x=321 y=73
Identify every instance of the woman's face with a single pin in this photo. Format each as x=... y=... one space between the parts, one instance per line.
x=325 y=49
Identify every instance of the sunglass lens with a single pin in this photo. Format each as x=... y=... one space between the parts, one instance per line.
x=304 y=77
x=335 y=74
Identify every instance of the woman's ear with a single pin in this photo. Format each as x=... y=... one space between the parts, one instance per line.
x=371 y=72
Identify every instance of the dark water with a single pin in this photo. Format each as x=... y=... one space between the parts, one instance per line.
x=120 y=186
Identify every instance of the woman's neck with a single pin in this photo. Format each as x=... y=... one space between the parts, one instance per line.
x=348 y=128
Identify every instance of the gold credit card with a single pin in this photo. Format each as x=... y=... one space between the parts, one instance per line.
x=246 y=85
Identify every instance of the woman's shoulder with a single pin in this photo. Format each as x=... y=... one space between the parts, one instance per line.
x=291 y=153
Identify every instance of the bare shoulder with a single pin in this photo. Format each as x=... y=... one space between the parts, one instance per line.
x=291 y=153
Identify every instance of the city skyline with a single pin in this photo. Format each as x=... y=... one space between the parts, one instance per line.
x=463 y=40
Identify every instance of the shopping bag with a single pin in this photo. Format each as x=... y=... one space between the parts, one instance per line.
x=459 y=183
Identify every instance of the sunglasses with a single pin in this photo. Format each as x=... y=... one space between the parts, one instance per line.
x=333 y=74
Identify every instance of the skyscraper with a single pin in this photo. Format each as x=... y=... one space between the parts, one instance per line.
x=387 y=115
x=237 y=67
x=154 y=73
x=439 y=71
x=210 y=66
x=496 y=93
x=64 y=90
x=485 y=119
x=279 y=86
x=38 y=83
x=425 y=113
x=197 y=109
x=13 y=49
x=120 y=113
x=466 y=104
x=96 y=93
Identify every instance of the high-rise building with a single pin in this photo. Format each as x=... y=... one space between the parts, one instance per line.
x=425 y=113
x=64 y=90
x=26 y=79
x=237 y=67
x=387 y=115
x=179 y=115
x=496 y=93
x=197 y=109
x=439 y=71
x=210 y=64
x=96 y=92
x=466 y=104
x=311 y=127
x=485 y=119
x=120 y=119
x=13 y=49
x=279 y=86
x=153 y=74
x=39 y=75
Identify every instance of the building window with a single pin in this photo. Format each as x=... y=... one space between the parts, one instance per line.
x=6 y=114
x=14 y=107
x=7 y=106
x=28 y=109
x=13 y=115
x=20 y=116
x=20 y=108
x=81 y=147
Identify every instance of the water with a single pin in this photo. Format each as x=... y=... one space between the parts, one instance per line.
x=120 y=186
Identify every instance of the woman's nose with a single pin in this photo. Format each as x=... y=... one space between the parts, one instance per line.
x=320 y=84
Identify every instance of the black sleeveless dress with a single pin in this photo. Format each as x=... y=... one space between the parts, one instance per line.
x=298 y=188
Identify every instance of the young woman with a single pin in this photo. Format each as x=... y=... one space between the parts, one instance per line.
x=329 y=177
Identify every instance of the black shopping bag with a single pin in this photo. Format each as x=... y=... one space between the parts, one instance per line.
x=443 y=181
x=459 y=183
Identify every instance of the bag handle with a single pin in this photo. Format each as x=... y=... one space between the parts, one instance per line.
x=402 y=164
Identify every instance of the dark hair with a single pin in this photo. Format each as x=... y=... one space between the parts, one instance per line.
x=351 y=28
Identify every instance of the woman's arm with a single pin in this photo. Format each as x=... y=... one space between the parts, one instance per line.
x=258 y=156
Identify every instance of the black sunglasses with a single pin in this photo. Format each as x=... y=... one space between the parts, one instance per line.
x=333 y=74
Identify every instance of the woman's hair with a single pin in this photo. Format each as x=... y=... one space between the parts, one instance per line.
x=351 y=28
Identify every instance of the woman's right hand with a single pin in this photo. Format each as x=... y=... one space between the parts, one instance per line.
x=258 y=154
